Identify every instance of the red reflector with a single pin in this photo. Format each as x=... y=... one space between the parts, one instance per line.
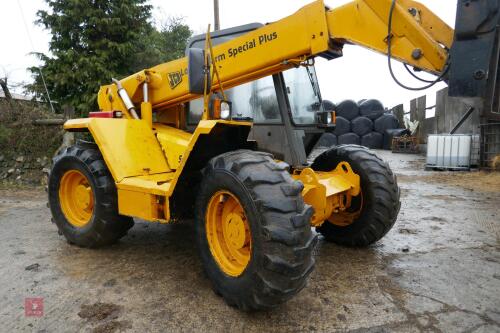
x=101 y=115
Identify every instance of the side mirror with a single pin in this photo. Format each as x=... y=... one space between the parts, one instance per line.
x=197 y=72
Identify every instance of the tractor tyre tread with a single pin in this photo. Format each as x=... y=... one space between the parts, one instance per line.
x=380 y=189
x=281 y=230
x=106 y=225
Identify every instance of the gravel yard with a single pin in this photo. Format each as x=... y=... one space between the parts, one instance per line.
x=438 y=270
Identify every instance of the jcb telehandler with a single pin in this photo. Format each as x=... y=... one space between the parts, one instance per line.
x=224 y=135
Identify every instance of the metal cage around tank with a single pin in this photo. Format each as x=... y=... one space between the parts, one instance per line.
x=490 y=143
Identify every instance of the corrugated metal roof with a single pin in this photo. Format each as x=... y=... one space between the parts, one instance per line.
x=19 y=97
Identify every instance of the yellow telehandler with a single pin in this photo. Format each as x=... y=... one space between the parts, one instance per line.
x=226 y=135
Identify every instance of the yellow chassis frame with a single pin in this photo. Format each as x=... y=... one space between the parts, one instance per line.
x=147 y=163
x=329 y=193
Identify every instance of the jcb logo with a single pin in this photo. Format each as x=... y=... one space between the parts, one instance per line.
x=174 y=79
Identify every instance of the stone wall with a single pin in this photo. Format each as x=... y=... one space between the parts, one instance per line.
x=24 y=169
x=26 y=149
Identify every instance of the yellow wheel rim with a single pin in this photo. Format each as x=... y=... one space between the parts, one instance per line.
x=76 y=198
x=228 y=233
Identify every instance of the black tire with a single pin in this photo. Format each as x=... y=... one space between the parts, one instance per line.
x=325 y=142
x=380 y=196
x=106 y=225
x=282 y=239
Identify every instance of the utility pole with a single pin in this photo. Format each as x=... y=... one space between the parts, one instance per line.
x=216 y=15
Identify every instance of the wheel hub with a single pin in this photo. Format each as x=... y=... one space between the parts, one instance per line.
x=76 y=198
x=228 y=233
x=83 y=196
x=235 y=230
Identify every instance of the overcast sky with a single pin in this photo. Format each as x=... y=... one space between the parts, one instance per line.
x=359 y=74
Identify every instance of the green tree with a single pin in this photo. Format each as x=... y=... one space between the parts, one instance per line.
x=174 y=36
x=92 y=41
x=163 y=45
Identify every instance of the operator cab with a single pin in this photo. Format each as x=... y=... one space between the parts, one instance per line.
x=286 y=108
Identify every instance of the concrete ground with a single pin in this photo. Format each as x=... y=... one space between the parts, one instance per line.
x=438 y=270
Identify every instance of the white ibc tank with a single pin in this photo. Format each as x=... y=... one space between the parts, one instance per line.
x=449 y=151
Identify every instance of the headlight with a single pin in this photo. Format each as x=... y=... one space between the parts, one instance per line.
x=225 y=110
x=329 y=118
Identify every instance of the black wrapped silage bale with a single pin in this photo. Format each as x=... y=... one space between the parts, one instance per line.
x=372 y=140
x=342 y=126
x=348 y=109
x=393 y=133
x=328 y=105
x=361 y=125
x=327 y=140
x=385 y=122
x=349 y=139
x=371 y=108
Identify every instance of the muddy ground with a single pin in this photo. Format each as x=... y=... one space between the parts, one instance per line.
x=438 y=270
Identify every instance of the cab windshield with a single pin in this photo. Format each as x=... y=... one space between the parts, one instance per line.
x=303 y=94
x=257 y=100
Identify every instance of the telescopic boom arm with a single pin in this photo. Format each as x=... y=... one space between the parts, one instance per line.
x=419 y=38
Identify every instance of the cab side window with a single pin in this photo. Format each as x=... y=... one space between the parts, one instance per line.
x=256 y=100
